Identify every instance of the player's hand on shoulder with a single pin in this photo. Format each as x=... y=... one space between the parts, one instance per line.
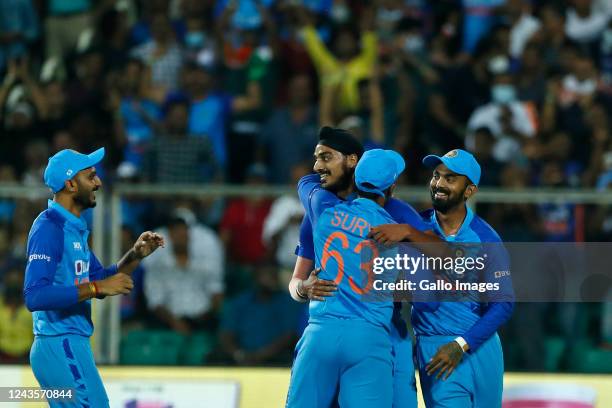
x=389 y=234
x=147 y=243
x=117 y=284
x=317 y=289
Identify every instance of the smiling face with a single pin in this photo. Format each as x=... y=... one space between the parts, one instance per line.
x=84 y=185
x=335 y=169
x=448 y=189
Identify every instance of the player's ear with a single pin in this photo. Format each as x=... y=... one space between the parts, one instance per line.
x=470 y=191
x=351 y=161
x=70 y=185
x=391 y=190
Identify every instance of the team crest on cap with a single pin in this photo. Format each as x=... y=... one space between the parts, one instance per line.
x=69 y=172
x=452 y=153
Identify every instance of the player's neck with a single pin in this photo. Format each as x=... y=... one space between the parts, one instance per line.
x=451 y=221
x=68 y=204
x=343 y=194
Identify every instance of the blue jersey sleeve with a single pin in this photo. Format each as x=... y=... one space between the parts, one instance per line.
x=500 y=302
x=305 y=246
x=403 y=213
x=315 y=198
x=44 y=251
x=97 y=271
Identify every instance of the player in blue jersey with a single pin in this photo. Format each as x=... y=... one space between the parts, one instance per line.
x=62 y=275
x=345 y=351
x=335 y=167
x=459 y=353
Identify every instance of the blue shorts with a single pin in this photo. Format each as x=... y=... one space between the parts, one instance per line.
x=404 y=383
x=345 y=359
x=67 y=361
x=477 y=381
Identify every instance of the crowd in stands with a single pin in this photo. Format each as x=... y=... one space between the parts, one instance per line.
x=226 y=91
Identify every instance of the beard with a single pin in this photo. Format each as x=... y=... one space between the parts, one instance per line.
x=344 y=181
x=451 y=201
x=83 y=199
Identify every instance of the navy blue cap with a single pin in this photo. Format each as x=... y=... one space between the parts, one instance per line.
x=65 y=164
x=377 y=170
x=458 y=161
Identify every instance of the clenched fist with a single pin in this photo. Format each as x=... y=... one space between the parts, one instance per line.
x=118 y=284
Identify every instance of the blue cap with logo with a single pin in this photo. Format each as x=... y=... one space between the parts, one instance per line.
x=65 y=164
x=377 y=170
x=458 y=161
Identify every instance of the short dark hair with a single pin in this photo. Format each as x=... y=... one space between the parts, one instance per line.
x=370 y=195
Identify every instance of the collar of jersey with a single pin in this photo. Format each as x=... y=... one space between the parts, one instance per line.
x=469 y=216
x=77 y=222
x=366 y=202
x=352 y=196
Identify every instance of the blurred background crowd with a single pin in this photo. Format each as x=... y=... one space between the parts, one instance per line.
x=226 y=91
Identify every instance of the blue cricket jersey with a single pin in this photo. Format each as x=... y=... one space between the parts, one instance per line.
x=474 y=321
x=59 y=259
x=340 y=241
x=401 y=212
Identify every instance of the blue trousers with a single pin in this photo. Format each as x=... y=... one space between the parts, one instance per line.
x=348 y=360
x=477 y=381
x=67 y=361
x=404 y=383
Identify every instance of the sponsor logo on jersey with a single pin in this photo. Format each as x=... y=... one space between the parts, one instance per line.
x=39 y=257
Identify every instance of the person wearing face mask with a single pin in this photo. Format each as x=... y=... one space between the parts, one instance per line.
x=509 y=120
x=15 y=320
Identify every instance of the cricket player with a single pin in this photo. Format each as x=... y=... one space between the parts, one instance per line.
x=459 y=353
x=335 y=169
x=62 y=275
x=345 y=351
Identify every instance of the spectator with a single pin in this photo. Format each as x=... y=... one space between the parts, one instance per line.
x=523 y=25
x=551 y=36
x=175 y=156
x=460 y=91
x=558 y=221
x=183 y=284
x=66 y=21
x=15 y=319
x=346 y=63
x=200 y=42
x=260 y=325
x=281 y=230
x=531 y=77
x=18 y=29
x=114 y=33
x=35 y=159
x=484 y=143
x=242 y=223
x=53 y=114
x=293 y=58
x=291 y=132
x=509 y=120
x=162 y=53
x=135 y=111
x=586 y=20
x=209 y=110
x=246 y=64
x=478 y=21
